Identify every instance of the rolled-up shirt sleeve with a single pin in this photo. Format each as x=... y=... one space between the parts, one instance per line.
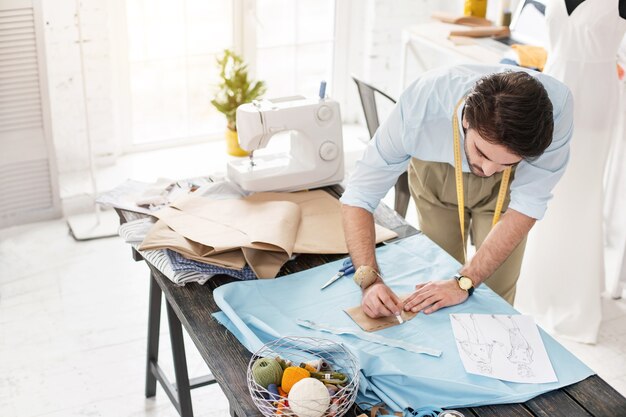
x=384 y=160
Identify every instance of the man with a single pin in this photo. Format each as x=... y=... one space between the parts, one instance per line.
x=505 y=118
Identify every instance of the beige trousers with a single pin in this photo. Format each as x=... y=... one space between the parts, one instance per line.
x=433 y=189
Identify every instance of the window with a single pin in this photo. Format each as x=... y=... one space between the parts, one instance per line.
x=172 y=47
x=294 y=45
x=172 y=50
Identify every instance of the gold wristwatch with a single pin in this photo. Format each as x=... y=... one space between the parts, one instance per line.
x=465 y=283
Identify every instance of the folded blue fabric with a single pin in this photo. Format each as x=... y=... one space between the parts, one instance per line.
x=258 y=312
x=180 y=263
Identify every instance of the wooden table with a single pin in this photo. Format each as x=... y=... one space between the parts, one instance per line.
x=193 y=306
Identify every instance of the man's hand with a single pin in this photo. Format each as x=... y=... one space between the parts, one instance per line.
x=379 y=301
x=431 y=296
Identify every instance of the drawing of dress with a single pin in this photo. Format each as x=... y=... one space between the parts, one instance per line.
x=519 y=351
x=475 y=345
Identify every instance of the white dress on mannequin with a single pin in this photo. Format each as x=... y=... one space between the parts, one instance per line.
x=615 y=206
x=563 y=270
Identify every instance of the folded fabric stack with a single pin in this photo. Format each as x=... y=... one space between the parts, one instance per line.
x=135 y=231
x=249 y=236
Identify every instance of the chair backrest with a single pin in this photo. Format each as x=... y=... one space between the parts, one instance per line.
x=368 y=94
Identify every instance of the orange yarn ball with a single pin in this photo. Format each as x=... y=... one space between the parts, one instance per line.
x=291 y=375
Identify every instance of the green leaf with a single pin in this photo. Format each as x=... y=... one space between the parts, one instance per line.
x=234 y=88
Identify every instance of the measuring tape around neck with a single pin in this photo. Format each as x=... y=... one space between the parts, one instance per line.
x=458 y=174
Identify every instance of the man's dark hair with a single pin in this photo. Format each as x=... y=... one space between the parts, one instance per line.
x=511 y=109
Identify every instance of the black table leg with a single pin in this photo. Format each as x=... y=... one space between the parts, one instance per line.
x=180 y=363
x=154 y=322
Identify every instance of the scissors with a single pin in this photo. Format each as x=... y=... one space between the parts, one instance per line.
x=346 y=269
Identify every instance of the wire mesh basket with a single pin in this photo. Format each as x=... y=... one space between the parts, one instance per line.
x=326 y=361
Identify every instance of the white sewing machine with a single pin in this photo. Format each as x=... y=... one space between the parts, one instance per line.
x=315 y=158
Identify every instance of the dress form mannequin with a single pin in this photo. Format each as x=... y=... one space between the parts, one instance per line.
x=563 y=270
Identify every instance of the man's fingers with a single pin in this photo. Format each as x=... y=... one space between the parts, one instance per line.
x=367 y=310
x=375 y=304
x=386 y=307
x=391 y=303
x=417 y=299
x=427 y=301
x=439 y=304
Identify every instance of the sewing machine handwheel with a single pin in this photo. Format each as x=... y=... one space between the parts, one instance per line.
x=329 y=151
x=324 y=113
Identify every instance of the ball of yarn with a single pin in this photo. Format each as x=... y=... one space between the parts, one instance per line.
x=309 y=398
x=291 y=375
x=273 y=390
x=266 y=371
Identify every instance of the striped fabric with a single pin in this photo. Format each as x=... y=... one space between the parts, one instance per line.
x=133 y=232
x=180 y=263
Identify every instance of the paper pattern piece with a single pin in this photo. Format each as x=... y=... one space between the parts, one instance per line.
x=371 y=325
x=161 y=236
x=265 y=232
x=506 y=347
x=262 y=230
x=321 y=227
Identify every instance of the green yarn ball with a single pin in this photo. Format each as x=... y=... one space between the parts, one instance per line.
x=267 y=371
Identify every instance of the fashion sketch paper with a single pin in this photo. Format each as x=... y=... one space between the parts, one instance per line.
x=506 y=347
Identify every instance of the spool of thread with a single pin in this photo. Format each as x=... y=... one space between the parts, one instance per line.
x=308 y=367
x=292 y=375
x=267 y=371
x=284 y=363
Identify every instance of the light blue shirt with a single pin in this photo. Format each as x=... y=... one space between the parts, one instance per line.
x=420 y=126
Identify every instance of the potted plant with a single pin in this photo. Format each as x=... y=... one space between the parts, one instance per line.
x=234 y=90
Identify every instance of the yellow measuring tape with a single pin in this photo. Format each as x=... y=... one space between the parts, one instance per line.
x=458 y=173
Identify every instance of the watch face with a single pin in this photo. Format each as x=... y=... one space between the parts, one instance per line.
x=465 y=283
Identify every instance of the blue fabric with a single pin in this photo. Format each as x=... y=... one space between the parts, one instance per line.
x=180 y=263
x=420 y=126
x=260 y=311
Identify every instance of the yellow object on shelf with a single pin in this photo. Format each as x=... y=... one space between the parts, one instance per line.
x=232 y=144
x=531 y=56
x=476 y=8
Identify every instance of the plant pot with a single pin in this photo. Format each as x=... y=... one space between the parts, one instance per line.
x=232 y=144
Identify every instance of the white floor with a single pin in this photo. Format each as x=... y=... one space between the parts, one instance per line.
x=73 y=315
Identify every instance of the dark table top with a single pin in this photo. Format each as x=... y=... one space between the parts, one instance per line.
x=228 y=359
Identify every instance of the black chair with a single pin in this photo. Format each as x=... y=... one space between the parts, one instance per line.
x=368 y=100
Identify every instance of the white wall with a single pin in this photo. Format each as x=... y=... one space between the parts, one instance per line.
x=386 y=20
